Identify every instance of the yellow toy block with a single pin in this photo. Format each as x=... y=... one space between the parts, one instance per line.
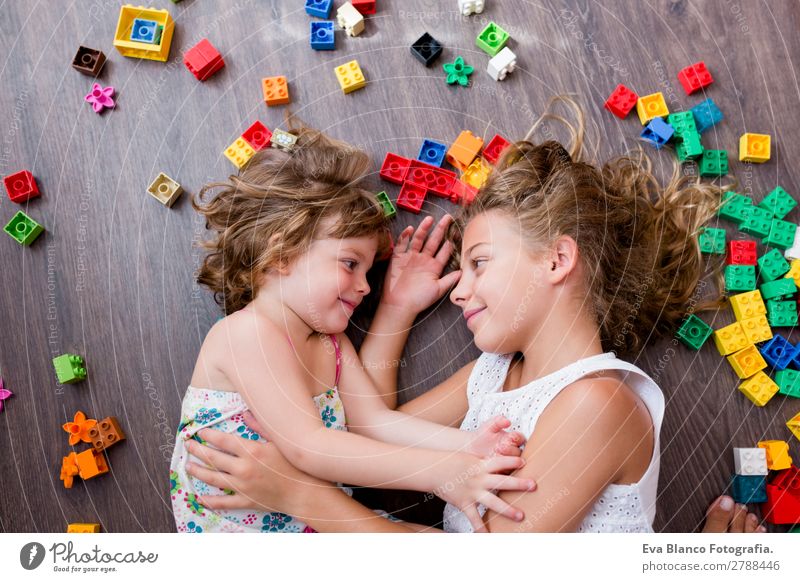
x=794 y=425
x=239 y=152
x=730 y=338
x=756 y=329
x=476 y=173
x=350 y=77
x=747 y=362
x=794 y=272
x=747 y=305
x=83 y=528
x=754 y=147
x=777 y=454
x=143 y=50
x=759 y=389
x=651 y=106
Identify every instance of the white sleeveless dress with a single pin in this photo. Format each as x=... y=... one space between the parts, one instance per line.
x=620 y=508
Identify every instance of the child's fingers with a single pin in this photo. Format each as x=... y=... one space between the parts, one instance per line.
x=210 y=476
x=499 y=423
x=217 y=459
x=418 y=240
x=436 y=237
x=253 y=424
x=443 y=254
x=500 y=507
x=503 y=463
x=220 y=502
x=507 y=447
x=446 y=282
x=509 y=483
x=475 y=518
x=402 y=241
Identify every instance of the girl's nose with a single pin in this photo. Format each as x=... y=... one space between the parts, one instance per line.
x=459 y=293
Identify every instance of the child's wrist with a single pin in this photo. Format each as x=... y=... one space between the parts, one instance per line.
x=400 y=313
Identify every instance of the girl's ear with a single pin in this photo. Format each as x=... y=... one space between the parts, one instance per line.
x=563 y=259
x=282 y=268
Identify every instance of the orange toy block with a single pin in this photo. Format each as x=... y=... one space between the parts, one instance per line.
x=464 y=150
x=83 y=528
x=105 y=433
x=276 y=90
x=91 y=464
x=777 y=454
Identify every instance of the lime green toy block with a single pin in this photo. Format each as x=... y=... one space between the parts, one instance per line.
x=492 y=39
x=69 y=368
x=23 y=229
x=781 y=234
x=735 y=207
x=694 y=332
x=740 y=278
x=143 y=50
x=712 y=240
x=714 y=163
x=781 y=313
x=779 y=202
x=388 y=208
x=772 y=265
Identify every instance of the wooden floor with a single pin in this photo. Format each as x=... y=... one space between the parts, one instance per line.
x=112 y=278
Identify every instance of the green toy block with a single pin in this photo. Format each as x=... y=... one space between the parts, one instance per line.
x=492 y=39
x=714 y=163
x=740 y=278
x=781 y=234
x=735 y=207
x=694 y=332
x=795 y=530
x=388 y=208
x=23 y=229
x=682 y=123
x=69 y=368
x=778 y=202
x=781 y=313
x=690 y=147
x=788 y=382
x=712 y=240
x=778 y=289
x=758 y=222
x=772 y=265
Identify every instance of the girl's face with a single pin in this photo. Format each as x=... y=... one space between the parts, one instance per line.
x=503 y=289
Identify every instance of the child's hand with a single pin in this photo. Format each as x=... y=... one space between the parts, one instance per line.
x=492 y=439
x=413 y=281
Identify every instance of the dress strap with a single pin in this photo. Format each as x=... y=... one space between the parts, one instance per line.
x=335 y=343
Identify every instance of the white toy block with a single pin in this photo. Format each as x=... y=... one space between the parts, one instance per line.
x=750 y=461
x=793 y=252
x=467 y=7
x=502 y=64
x=350 y=19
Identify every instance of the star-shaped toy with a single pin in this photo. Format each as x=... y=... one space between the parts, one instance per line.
x=458 y=72
x=100 y=97
x=78 y=429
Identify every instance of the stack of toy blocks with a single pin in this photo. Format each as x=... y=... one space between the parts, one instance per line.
x=203 y=60
x=782 y=503
x=255 y=138
x=144 y=33
x=749 y=483
x=90 y=462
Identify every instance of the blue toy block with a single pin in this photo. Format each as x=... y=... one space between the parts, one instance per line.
x=319 y=8
x=778 y=352
x=658 y=132
x=432 y=152
x=749 y=488
x=144 y=30
x=706 y=114
x=322 y=36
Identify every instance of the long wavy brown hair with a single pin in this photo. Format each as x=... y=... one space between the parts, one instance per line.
x=638 y=241
x=268 y=215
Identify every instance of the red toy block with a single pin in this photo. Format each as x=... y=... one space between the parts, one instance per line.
x=789 y=480
x=203 y=60
x=781 y=506
x=695 y=77
x=258 y=136
x=494 y=149
x=621 y=101
x=411 y=197
x=364 y=6
x=394 y=168
x=742 y=252
x=462 y=193
x=431 y=178
x=21 y=186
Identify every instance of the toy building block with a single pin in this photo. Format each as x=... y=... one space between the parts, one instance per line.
x=695 y=77
x=735 y=207
x=778 y=289
x=794 y=425
x=239 y=152
x=794 y=271
x=651 y=106
x=350 y=77
x=682 y=123
x=788 y=381
x=388 y=208
x=694 y=332
x=712 y=240
x=756 y=329
x=158 y=51
x=747 y=362
x=203 y=60
x=283 y=140
x=772 y=265
x=165 y=189
x=394 y=168
x=276 y=90
x=779 y=202
x=476 y=173
x=257 y=135
x=426 y=49
x=750 y=461
x=88 y=61
x=464 y=150
x=502 y=64
x=143 y=30
x=779 y=352
x=759 y=389
x=106 y=433
x=467 y=7
x=78 y=430
x=495 y=148
x=365 y=7
x=747 y=305
x=742 y=252
x=23 y=229
x=319 y=8
x=461 y=193
x=757 y=222
x=781 y=234
x=788 y=480
x=100 y=97
x=621 y=101
x=91 y=464
x=70 y=368
x=491 y=39
x=781 y=313
x=69 y=469
x=749 y=488
x=690 y=147
x=458 y=71
x=740 y=278
x=714 y=163
x=793 y=252
x=322 y=36
x=432 y=178
x=706 y=114
x=21 y=186
x=83 y=528
x=754 y=148
x=658 y=132
x=730 y=339
x=778 y=457
x=432 y=152
x=411 y=197
x=781 y=507
x=350 y=19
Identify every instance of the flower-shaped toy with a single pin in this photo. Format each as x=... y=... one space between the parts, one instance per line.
x=100 y=97
x=458 y=72
x=78 y=429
